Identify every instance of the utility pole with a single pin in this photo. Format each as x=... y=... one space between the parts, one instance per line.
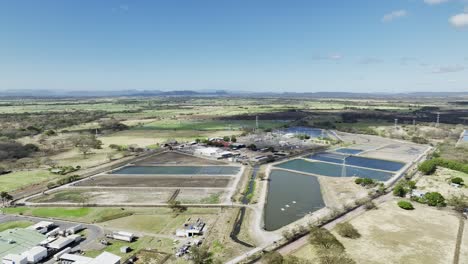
x=396 y=123
x=438 y=119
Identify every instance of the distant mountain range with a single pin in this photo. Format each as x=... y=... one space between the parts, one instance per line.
x=208 y=93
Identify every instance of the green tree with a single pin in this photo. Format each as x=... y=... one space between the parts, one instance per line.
x=435 y=199
x=400 y=190
x=5 y=197
x=85 y=143
x=201 y=255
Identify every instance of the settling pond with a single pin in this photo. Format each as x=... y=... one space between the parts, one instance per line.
x=179 y=170
x=290 y=197
x=311 y=132
x=359 y=161
x=333 y=170
x=349 y=151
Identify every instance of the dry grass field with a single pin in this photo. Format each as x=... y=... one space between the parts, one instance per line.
x=338 y=192
x=105 y=196
x=393 y=235
x=440 y=182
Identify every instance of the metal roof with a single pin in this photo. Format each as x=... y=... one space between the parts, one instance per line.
x=23 y=240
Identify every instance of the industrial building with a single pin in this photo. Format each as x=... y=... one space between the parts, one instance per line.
x=123 y=236
x=191 y=229
x=104 y=257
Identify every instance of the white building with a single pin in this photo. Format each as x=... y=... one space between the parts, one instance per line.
x=35 y=254
x=41 y=227
x=208 y=152
x=104 y=258
x=14 y=259
x=124 y=236
x=61 y=242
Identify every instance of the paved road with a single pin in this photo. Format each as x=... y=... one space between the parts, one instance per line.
x=93 y=232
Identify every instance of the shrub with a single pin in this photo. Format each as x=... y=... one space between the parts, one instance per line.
x=419 y=140
x=459 y=203
x=365 y=181
x=369 y=205
x=400 y=190
x=273 y=257
x=434 y=199
x=457 y=180
x=347 y=230
x=324 y=240
x=405 y=205
x=429 y=166
x=411 y=184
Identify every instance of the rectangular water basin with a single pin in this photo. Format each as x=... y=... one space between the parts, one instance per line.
x=349 y=151
x=369 y=163
x=333 y=170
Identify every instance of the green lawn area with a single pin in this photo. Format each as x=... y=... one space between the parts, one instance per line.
x=116 y=215
x=74 y=158
x=170 y=124
x=15 y=180
x=15 y=224
x=160 y=244
x=70 y=196
x=162 y=222
x=86 y=215
x=149 y=137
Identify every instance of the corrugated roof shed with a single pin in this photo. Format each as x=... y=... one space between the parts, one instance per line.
x=107 y=258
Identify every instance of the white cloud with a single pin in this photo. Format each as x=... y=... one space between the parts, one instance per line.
x=121 y=8
x=334 y=56
x=435 y=2
x=394 y=15
x=370 y=60
x=460 y=20
x=449 y=69
x=407 y=60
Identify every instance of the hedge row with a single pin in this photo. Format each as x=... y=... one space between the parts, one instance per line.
x=429 y=166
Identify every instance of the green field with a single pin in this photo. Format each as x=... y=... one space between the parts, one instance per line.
x=210 y=124
x=101 y=214
x=18 y=179
x=162 y=221
x=15 y=224
x=86 y=215
x=160 y=244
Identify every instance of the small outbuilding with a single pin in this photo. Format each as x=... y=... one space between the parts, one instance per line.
x=125 y=249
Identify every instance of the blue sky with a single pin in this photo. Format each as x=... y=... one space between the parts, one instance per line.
x=250 y=45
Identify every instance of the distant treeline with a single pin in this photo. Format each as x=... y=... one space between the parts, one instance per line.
x=18 y=125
